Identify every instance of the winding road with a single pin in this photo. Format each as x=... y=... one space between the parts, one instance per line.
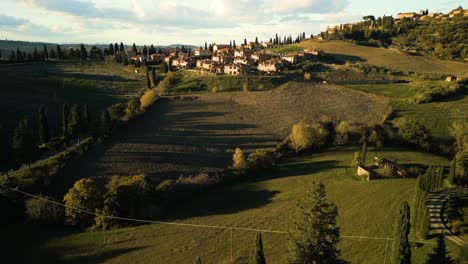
x=435 y=202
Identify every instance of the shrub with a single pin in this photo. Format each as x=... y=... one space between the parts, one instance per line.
x=42 y=211
x=83 y=195
x=147 y=99
x=357 y=161
x=461 y=167
x=342 y=133
x=307 y=135
x=116 y=112
x=128 y=196
x=416 y=134
x=260 y=159
x=245 y=87
x=238 y=161
x=165 y=85
x=133 y=106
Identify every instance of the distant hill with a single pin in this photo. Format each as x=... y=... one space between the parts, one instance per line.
x=435 y=34
x=6 y=46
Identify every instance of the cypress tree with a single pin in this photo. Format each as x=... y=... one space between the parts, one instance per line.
x=116 y=48
x=363 y=153
x=440 y=254
x=6 y=152
x=416 y=199
x=75 y=122
x=155 y=79
x=35 y=55
x=145 y=51
x=43 y=125
x=24 y=143
x=111 y=49
x=83 y=52
x=424 y=224
x=59 y=52
x=46 y=53
x=206 y=46
x=453 y=167
x=245 y=42
x=86 y=119
x=105 y=123
x=257 y=257
x=122 y=48
x=65 y=132
x=315 y=233
x=134 y=48
x=148 y=82
x=401 y=247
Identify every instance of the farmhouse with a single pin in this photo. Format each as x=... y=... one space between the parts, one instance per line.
x=242 y=60
x=236 y=69
x=451 y=78
x=222 y=59
x=364 y=173
x=267 y=45
x=221 y=48
x=390 y=167
x=157 y=57
x=259 y=56
x=411 y=15
x=201 y=52
x=242 y=53
x=292 y=58
x=272 y=65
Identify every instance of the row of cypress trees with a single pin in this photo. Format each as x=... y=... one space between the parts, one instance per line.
x=27 y=138
x=428 y=182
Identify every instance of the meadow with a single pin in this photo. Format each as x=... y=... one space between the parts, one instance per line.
x=437 y=115
x=264 y=202
x=26 y=87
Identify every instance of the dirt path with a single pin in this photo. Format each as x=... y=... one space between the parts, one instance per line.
x=435 y=203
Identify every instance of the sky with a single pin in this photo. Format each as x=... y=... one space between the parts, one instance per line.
x=188 y=21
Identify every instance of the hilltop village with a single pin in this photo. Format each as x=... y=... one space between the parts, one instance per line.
x=248 y=59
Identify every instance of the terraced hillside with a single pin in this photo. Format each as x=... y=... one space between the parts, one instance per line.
x=197 y=133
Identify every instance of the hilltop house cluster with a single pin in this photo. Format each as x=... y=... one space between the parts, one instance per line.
x=225 y=59
x=416 y=16
x=424 y=15
x=249 y=59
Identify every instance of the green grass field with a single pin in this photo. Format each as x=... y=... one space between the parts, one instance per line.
x=437 y=116
x=365 y=209
x=192 y=81
x=390 y=58
x=26 y=87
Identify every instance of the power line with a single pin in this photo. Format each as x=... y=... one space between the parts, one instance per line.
x=185 y=224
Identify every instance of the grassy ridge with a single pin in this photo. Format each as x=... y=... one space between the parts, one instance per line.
x=365 y=209
x=26 y=87
x=390 y=58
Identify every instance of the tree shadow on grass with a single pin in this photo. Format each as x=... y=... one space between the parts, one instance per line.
x=304 y=168
x=344 y=57
x=24 y=243
x=226 y=200
x=99 y=257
